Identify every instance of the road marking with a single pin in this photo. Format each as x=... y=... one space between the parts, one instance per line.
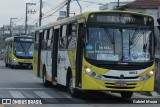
x=65 y=94
x=28 y=95
x=42 y=94
x=24 y=88
x=16 y=94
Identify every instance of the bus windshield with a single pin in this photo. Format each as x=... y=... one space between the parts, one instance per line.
x=123 y=44
x=23 y=49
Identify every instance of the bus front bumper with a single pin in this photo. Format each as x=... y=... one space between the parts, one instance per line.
x=89 y=83
x=19 y=63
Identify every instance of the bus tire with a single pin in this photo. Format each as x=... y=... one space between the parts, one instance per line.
x=6 y=65
x=12 y=66
x=46 y=83
x=126 y=94
x=74 y=92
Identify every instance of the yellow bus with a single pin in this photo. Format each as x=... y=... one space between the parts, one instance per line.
x=103 y=50
x=19 y=51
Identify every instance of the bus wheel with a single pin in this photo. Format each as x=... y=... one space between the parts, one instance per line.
x=126 y=94
x=45 y=82
x=12 y=66
x=6 y=65
x=71 y=89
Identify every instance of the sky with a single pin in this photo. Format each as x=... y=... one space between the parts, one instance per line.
x=17 y=8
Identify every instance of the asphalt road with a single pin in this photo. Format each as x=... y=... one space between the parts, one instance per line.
x=21 y=83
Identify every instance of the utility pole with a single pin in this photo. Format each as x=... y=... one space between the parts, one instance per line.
x=68 y=7
x=26 y=18
x=40 y=13
x=11 y=25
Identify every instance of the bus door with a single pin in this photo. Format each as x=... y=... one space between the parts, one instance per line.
x=39 y=52
x=49 y=52
x=7 y=52
x=62 y=56
x=35 y=56
x=79 y=51
x=55 y=52
x=10 y=52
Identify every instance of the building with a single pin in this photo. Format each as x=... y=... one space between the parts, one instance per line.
x=112 y=5
x=144 y=6
x=4 y=30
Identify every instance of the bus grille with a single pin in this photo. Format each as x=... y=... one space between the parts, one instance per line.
x=114 y=77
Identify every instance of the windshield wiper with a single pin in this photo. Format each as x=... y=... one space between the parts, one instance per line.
x=111 y=39
x=114 y=43
x=23 y=48
x=135 y=38
x=108 y=35
x=129 y=43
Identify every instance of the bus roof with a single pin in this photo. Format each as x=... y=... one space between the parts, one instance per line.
x=84 y=15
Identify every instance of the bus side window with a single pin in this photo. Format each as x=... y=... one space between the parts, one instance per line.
x=72 y=33
x=49 y=43
x=36 y=40
x=62 y=38
x=44 y=40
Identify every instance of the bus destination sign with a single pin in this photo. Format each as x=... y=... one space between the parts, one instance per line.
x=121 y=18
x=24 y=39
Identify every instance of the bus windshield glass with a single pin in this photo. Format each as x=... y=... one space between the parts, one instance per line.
x=23 y=49
x=122 y=44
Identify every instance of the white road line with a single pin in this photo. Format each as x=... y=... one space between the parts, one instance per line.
x=65 y=94
x=28 y=95
x=42 y=94
x=16 y=94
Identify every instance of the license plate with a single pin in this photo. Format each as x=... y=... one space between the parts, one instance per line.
x=120 y=84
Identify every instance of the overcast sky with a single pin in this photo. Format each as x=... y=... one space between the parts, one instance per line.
x=16 y=9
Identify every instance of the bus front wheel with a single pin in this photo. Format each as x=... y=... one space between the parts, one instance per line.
x=12 y=66
x=46 y=83
x=74 y=92
x=6 y=65
x=126 y=94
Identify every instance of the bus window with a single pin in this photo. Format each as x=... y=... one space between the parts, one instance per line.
x=49 y=43
x=44 y=40
x=48 y=31
x=36 y=40
x=72 y=36
x=62 y=38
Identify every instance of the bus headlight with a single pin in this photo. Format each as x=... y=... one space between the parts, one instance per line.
x=92 y=73
x=14 y=62
x=147 y=76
